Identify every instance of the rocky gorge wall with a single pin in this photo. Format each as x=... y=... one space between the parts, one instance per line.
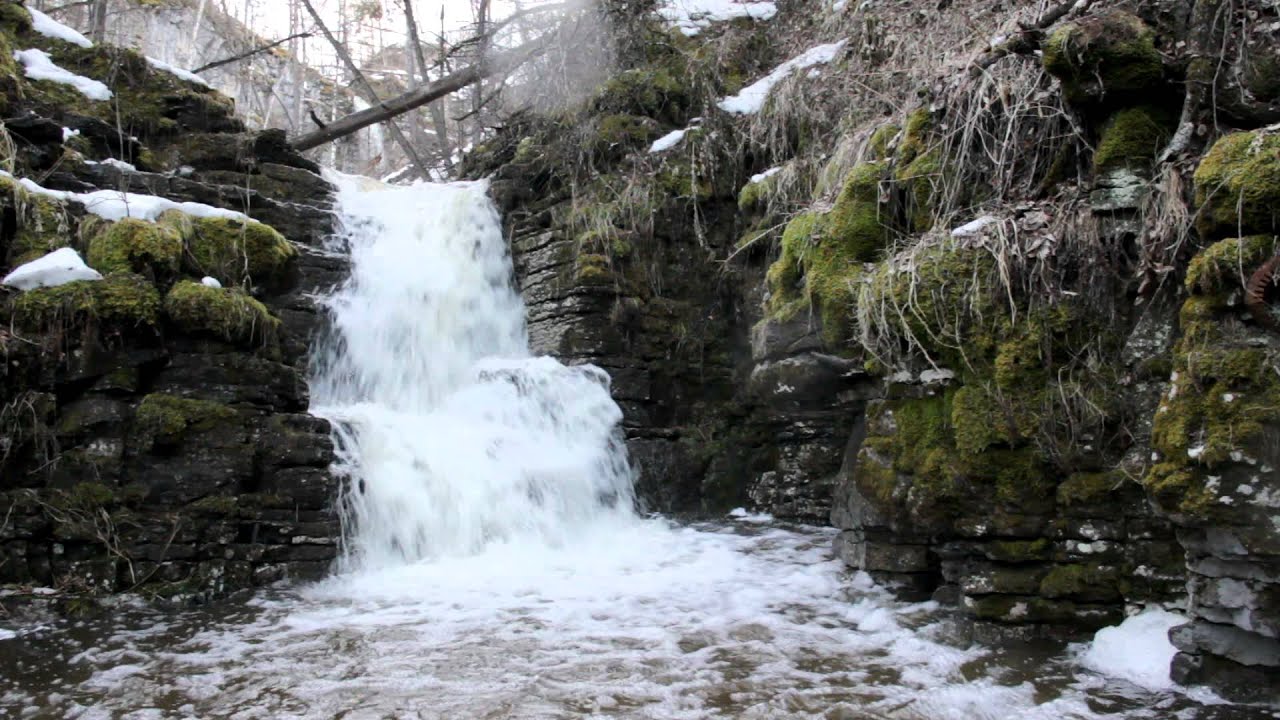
x=155 y=433
x=990 y=291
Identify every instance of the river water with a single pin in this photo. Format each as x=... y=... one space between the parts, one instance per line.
x=493 y=564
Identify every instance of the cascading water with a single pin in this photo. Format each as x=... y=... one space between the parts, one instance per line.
x=494 y=567
x=452 y=436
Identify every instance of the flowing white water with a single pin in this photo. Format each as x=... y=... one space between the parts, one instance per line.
x=452 y=435
x=495 y=568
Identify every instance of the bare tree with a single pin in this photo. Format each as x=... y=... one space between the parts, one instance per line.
x=363 y=84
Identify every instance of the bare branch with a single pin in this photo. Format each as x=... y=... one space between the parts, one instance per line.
x=250 y=53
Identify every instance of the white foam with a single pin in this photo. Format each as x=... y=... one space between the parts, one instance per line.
x=49 y=27
x=37 y=66
x=1137 y=650
x=59 y=267
x=751 y=98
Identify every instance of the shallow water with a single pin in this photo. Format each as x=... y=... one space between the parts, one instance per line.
x=644 y=620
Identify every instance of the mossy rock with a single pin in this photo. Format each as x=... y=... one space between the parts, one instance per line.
x=41 y=224
x=1226 y=265
x=1110 y=55
x=14 y=18
x=164 y=420
x=132 y=245
x=1082 y=582
x=1089 y=488
x=915 y=136
x=119 y=302
x=1131 y=138
x=229 y=314
x=234 y=251
x=1223 y=401
x=659 y=90
x=616 y=135
x=856 y=224
x=785 y=274
x=1237 y=185
x=921 y=178
x=880 y=144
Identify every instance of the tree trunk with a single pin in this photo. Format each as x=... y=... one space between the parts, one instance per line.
x=418 y=97
x=437 y=112
x=364 y=85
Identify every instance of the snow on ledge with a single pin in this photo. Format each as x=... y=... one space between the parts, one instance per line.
x=761 y=177
x=115 y=205
x=57 y=268
x=691 y=16
x=178 y=72
x=668 y=141
x=751 y=98
x=1137 y=650
x=38 y=66
x=49 y=27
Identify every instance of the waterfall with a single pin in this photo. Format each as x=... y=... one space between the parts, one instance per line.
x=450 y=434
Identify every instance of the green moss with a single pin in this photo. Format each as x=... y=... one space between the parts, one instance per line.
x=136 y=246
x=1019 y=551
x=14 y=18
x=785 y=274
x=1131 y=139
x=660 y=91
x=615 y=135
x=226 y=313
x=41 y=223
x=755 y=195
x=1106 y=55
x=164 y=420
x=234 y=251
x=1238 y=185
x=1088 y=582
x=879 y=144
x=1226 y=265
x=592 y=269
x=977 y=419
x=915 y=136
x=921 y=178
x=1088 y=488
x=854 y=225
x=120 y=301
x=1224 y=394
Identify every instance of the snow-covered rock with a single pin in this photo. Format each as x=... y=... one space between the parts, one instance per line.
x=38 y=66
x=49 y=27
x=210 y=282
x=667 y=141
x=57 y=268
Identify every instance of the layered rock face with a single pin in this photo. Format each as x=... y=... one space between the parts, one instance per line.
x=999 y=302
x=156 y=438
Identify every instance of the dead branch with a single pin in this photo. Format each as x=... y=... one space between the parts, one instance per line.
x=255 y=51
x=420 y=96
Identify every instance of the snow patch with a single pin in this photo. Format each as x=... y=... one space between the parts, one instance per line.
x=1137 y=650
x=49 y=27
x=760 y=177
x=210 y=282
x=178 y=72
x=57 y=268
x=752 y=97
x=112 y=162
x=115 y=205
x=667 y=141
x=973 y=227
x=68 y=133
x=38 y=66
x=691 y=16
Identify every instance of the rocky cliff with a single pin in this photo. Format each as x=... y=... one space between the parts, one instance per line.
x=989 y=287
x=155 y=435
